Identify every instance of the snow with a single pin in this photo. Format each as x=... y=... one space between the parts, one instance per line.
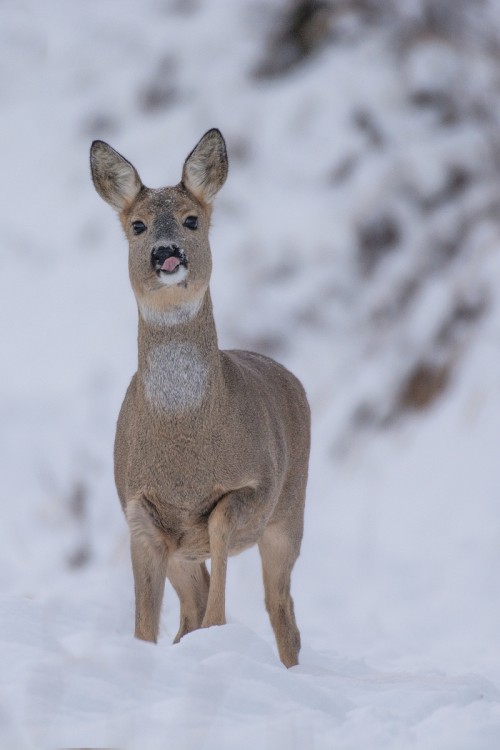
x=225 y=683
x=397 y=590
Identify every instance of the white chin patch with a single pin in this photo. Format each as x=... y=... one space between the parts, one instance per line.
x=171 y=279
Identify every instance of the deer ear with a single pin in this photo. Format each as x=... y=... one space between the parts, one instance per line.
x=205 y=169
x=114 y=178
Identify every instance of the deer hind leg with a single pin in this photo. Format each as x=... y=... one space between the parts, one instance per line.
x=191 y=581
x=279 y=550
x=149 y=563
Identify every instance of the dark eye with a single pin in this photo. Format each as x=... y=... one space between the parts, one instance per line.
x=139 y=227
x=191 y=222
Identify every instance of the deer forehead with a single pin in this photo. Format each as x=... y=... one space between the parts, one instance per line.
x=151 y=204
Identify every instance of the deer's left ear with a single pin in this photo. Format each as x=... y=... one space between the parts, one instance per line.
x=205 y=169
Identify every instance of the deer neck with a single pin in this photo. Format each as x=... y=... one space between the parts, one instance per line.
x=179 y=370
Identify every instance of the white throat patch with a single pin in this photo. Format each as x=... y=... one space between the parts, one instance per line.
x=176 y=377
x=170 y=316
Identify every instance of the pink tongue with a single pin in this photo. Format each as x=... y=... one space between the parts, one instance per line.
x=170 y=264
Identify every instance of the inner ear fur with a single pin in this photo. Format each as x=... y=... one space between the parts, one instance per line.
x=205 y=169
x=115 y=178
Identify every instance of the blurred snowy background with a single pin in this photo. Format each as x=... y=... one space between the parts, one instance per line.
x=356 y=241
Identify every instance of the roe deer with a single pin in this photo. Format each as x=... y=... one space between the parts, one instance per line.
x=212 y=447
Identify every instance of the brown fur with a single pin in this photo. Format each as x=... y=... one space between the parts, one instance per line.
x=212 y=447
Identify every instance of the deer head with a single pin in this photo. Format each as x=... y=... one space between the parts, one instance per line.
x=167 y=228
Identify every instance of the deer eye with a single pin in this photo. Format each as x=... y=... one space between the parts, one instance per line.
x=138 y=227
x=191 y=222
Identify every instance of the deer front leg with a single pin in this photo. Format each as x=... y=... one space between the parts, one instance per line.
x=231 y=512
x=149 y=564
x=221 y=524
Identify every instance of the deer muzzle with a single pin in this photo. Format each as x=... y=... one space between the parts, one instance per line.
x=167 y=259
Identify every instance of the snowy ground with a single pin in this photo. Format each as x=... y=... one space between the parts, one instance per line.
x=357 y=242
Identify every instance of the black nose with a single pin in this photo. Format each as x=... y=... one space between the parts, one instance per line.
x=162 y=252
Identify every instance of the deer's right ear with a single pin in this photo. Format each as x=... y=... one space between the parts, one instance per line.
x=114 y=178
